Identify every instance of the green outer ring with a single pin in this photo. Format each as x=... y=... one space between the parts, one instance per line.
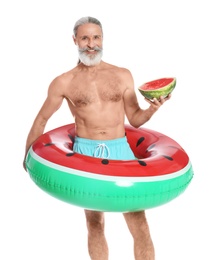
x=102 y=194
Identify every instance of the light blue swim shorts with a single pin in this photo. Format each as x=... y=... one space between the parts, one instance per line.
x=116 y=149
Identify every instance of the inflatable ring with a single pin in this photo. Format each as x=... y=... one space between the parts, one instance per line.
x=160 y=174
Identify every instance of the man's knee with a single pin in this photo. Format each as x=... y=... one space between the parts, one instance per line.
x=95 y=221
x=137 y=223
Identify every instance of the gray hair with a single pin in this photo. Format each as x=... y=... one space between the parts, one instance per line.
x=85 y=20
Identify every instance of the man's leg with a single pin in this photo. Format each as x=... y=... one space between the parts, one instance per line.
x=138 y=226
x=97 y=244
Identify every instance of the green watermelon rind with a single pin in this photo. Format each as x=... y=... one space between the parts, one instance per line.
x=106 y=193
x=157 y=93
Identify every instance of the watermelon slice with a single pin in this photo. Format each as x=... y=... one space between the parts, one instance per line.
x=157 y=88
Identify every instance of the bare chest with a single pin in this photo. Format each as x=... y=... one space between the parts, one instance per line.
x=87 y=90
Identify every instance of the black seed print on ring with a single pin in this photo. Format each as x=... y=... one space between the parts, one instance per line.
x=105 y=161
x=168 y=157
x=49 y=144
x=70 y=154
x=140 y=140
x=142 y=163
x=150 y=147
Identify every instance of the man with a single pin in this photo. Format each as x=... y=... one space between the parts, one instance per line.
x=99 y=96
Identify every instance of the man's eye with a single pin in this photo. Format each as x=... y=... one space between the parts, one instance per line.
x=84 y=38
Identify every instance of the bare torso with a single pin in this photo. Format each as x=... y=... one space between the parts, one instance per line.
x=95 y=98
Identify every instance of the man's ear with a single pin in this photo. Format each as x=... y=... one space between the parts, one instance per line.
x=74 y=39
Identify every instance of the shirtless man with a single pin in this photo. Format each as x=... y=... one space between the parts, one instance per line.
x=99 y=96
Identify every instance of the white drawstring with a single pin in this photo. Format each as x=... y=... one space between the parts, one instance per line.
x=101 y=149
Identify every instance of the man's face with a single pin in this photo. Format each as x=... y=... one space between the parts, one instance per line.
x=89 y=41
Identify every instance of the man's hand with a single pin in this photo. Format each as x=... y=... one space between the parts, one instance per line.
x=156 y=103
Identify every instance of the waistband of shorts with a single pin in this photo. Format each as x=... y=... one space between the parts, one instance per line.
x=110 y=142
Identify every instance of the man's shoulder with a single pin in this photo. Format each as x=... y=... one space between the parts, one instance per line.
x=66 y=76
x=62 y=80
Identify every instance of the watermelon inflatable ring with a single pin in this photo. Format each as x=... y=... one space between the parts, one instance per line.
x=161 y=172
x=157 y=88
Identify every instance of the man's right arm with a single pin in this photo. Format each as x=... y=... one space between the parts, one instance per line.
x=50 y=106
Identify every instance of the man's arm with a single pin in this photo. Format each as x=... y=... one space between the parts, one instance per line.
x=50 y=106
x=136 y=115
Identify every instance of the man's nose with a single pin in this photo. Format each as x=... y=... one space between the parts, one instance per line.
x=91 y=43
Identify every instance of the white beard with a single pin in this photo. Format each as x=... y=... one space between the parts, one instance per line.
x=91 y=59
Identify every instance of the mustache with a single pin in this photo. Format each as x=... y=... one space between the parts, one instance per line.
x=81 y=50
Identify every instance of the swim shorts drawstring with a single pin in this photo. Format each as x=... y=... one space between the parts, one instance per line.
x=100 y=151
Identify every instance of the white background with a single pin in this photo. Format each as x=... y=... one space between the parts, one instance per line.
x=151 y=38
